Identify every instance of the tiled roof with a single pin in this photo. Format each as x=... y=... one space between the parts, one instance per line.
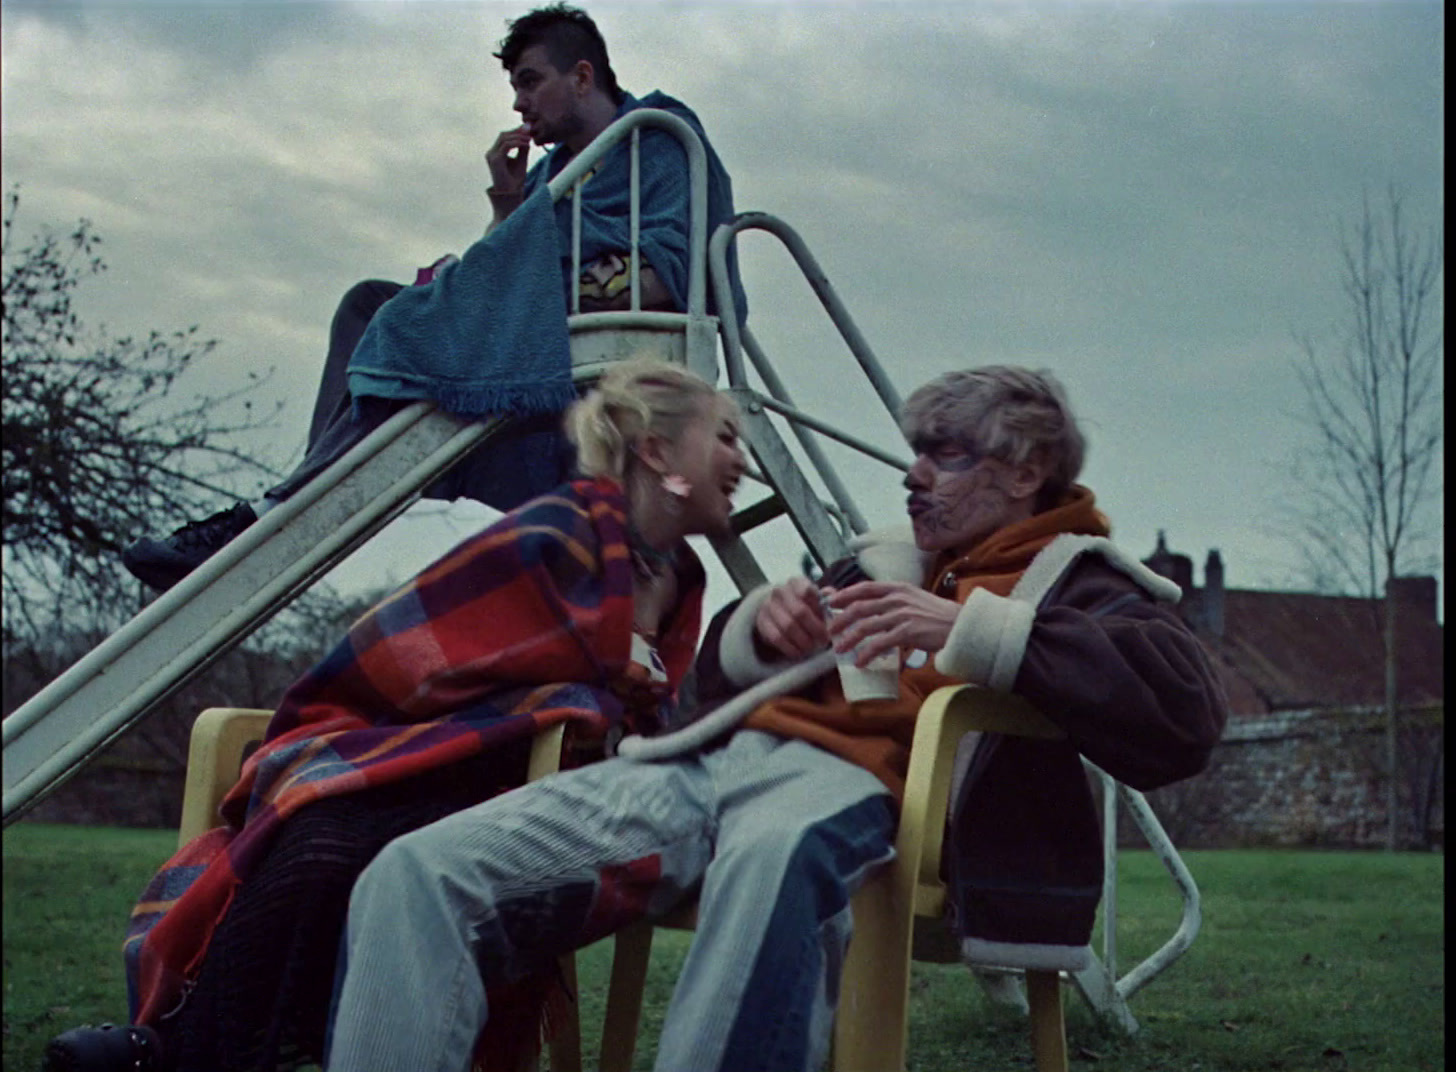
x=1292 y=650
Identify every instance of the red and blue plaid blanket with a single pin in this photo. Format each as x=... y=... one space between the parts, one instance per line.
x=523 y=626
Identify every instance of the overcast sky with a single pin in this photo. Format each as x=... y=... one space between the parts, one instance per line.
x=1143 y=197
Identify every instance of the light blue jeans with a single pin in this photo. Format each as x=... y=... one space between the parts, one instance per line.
x=779 y=834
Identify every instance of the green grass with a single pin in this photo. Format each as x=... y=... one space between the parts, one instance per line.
x=1316 y=961
x=68 y=891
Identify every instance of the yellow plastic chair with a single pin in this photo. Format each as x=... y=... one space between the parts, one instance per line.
x=219 y=743
x=900 y=911
x=896 y=913
x=220 y=740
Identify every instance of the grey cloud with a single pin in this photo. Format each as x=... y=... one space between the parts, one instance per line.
x=1142 y=197
x=226 y=38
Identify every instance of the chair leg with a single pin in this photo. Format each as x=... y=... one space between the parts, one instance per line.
x=1048 y=1029
x=565 y=1045
x=874 y=990
x=633 y=950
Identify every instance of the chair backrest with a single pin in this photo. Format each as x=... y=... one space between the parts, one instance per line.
x=220 y=740
x=932 y=939
x=898 y=913
x=945 y=718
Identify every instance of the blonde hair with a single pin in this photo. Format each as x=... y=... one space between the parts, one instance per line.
x=638 y=397
x=1005 y=412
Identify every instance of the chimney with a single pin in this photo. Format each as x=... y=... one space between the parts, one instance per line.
x=1213 y=593
x=1177 y=568
x=1417 y=594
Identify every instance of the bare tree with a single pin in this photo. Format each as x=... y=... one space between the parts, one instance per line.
x=101 y=439
x=97 y=441
x=1373 y=398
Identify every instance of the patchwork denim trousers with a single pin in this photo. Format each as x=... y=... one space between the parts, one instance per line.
x=778 y=833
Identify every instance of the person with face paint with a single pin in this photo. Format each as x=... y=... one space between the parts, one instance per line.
x=1006 y=579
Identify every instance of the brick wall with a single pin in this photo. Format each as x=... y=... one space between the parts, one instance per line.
x=1311 y=778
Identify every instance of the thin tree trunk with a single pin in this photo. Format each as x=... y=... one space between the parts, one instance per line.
x=1432 y=787
x=1392 y=792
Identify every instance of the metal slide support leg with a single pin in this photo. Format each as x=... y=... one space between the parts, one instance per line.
x=738 y=560
x=1192 y=919
x=1099 y=991
x=1109 y=868
x=1100 y=988
x=782 y=472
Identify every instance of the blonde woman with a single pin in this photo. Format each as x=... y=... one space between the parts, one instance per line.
x=582 y=606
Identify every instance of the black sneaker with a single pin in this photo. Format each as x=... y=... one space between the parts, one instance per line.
x=162 y=563
x=107 y=1048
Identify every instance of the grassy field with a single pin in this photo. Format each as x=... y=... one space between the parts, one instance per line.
x=1307 y=961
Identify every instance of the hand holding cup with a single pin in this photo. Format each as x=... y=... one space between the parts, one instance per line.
x=876 y=617
x=875 y=677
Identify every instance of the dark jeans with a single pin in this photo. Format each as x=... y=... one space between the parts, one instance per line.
x=529 y=458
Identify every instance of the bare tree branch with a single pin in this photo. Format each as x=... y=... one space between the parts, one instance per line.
x=97 y=440
x=1373 y=397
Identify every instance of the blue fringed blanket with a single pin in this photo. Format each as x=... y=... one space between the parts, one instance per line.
x=488 y=335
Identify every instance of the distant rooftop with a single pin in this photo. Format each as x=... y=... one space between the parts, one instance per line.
x=1279 y=651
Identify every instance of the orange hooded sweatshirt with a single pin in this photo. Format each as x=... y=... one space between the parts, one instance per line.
x=876 y=734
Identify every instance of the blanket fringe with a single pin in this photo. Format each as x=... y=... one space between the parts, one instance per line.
x=476 y=402
x=524 y=1017
x=471 y=401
